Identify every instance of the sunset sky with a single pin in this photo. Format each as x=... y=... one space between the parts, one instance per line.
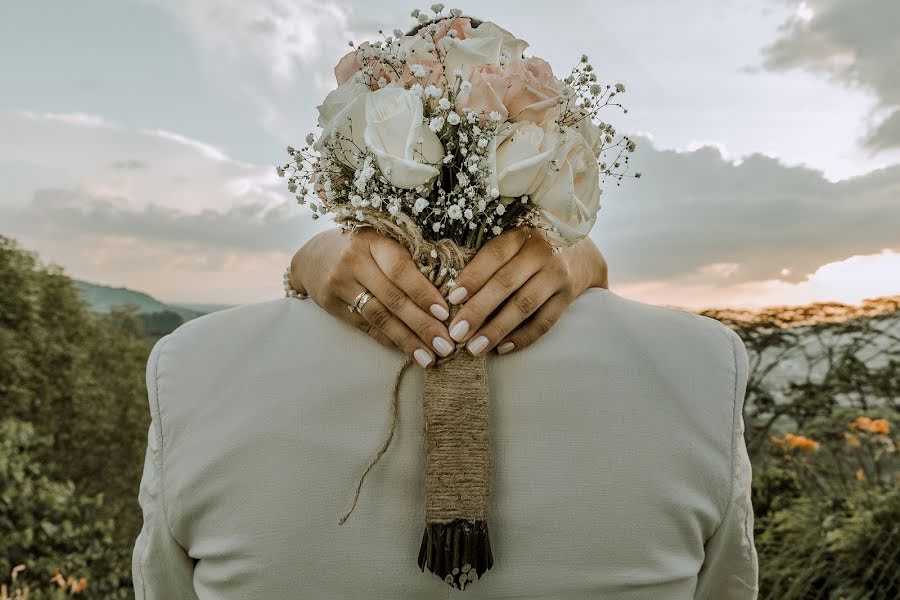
x=138 y=138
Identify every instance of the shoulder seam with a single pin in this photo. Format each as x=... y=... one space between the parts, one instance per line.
x=730 y=335
x=162 y=483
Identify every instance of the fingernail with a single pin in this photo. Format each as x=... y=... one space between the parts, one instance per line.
x=457 y=295
x=505 y=347
x=442 y=346
x=422 y=357
x=459 y=331
x=477 y=345
x=439 y=311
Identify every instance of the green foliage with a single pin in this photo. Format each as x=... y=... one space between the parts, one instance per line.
x=826 y=519
x=47 y=525
x=808 y=361
x=80 y=378
x=831 y=547
x=827 y=510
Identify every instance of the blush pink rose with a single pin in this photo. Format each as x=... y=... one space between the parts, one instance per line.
x=542 y=71
x=346 y=68
x=524 y=90
x=488 y=92
x=533 y=91
x=444 y=26
x=415 y=47
x=349 y=65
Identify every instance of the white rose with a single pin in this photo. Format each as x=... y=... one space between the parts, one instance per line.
x=342 y=108
x=510 y=45
x=591 y=134
x=471 y=52
x=568 y=196
x=522 y=156
x=399 y=140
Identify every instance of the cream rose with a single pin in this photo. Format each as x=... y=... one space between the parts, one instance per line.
x=511 y=47
x=398 y=138
x=590 y=132
x=469 y=53
x=522 y=156
x=343 y=113
x=568 y=196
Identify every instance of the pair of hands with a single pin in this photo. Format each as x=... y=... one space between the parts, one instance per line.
x=511 y=293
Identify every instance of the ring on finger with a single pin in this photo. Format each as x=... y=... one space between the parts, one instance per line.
x=360 y=301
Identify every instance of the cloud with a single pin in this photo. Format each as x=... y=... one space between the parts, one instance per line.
x=693 y=209
x=855 y=43
x=209 y=256
x=153 y=210
x=245 y=228
x=181 y=219
x=849 y=281
x=283 y=35
x=278 y=54
x=147 y=167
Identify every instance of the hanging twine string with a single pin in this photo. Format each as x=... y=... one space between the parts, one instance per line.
x=458 y=462
x=387 y=442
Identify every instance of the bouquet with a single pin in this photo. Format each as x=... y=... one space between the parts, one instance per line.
x=442 y=138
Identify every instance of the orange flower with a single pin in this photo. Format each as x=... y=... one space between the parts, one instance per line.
x=78 y=586
x=800 y=441
x=877 y=426
x=861 y=474
x=860 y=423
x=852 y=439
x=58 y=579
x=792 y=441
x=880 y=426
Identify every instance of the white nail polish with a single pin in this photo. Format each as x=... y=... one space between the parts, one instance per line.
x=505 y=347
x=459 y=331
x=442 y=346
x=439 y=311
x=458 y=295
x=422 y=357
x=477 y=345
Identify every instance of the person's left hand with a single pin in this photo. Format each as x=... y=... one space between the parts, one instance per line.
x=517 y=275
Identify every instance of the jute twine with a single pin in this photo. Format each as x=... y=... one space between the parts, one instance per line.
x=458 y=459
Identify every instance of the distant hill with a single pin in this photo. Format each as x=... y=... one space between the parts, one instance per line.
x=101 y=298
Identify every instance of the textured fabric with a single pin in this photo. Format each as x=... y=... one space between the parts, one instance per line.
x=620 y=470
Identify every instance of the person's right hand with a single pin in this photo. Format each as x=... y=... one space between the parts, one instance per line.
x=406 y=311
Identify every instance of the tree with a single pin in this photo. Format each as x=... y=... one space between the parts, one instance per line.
x=79 y=378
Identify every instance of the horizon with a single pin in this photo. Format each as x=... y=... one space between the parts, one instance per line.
x=193 y=304
x=141 y=139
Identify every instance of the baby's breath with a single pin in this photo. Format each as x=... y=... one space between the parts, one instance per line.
x=462 y=203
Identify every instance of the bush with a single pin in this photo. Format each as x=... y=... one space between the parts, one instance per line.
x=827 y=506
x=46 y=525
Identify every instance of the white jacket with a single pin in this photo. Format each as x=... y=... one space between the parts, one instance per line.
x=620 y=469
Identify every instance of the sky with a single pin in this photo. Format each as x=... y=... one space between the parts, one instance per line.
x=138 y=139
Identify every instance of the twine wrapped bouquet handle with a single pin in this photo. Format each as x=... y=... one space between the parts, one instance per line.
x=458 y=461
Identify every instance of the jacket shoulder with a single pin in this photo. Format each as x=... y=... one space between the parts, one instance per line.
x=663 y=323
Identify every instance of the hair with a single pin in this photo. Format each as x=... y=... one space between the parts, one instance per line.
x=417 y=28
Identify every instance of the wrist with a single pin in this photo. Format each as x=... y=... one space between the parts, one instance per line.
x=295 y=273
x=591 y=265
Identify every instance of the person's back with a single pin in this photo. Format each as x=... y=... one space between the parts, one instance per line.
x=620 y=469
